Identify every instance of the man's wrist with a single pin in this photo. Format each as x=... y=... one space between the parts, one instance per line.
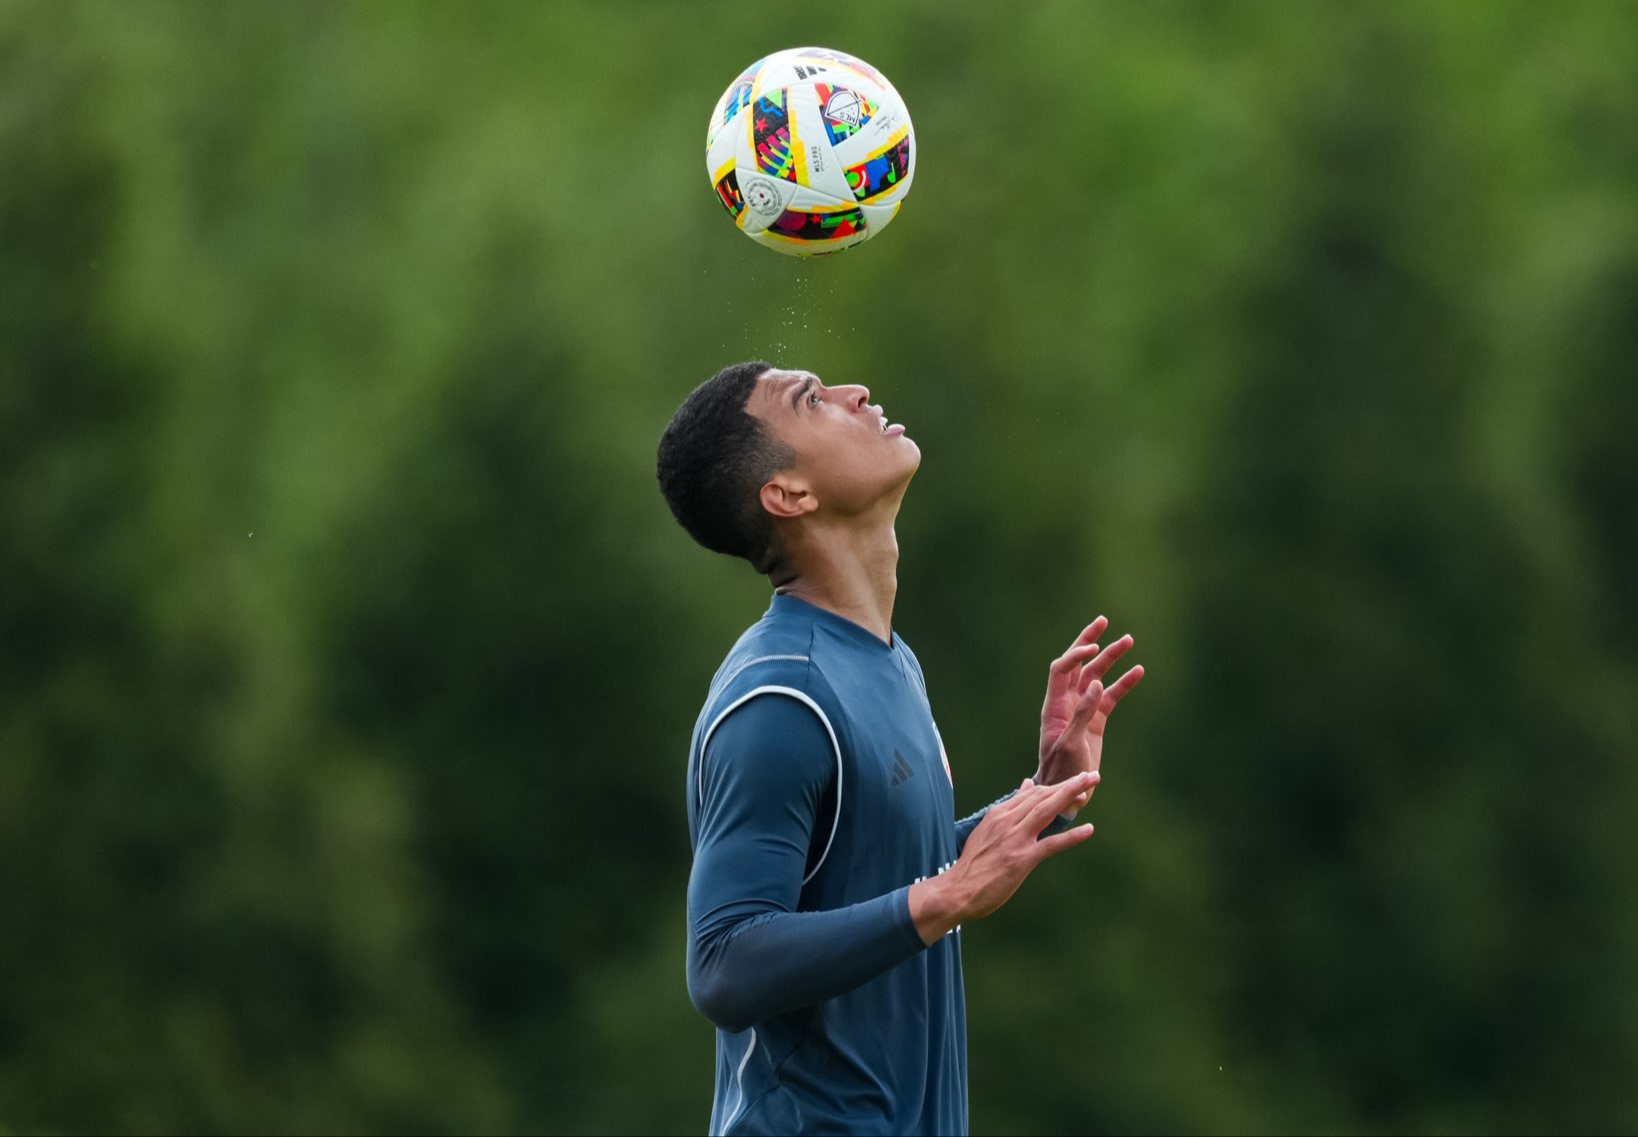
x=935 y=907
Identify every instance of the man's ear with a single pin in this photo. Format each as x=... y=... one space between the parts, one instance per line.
x=786 y=497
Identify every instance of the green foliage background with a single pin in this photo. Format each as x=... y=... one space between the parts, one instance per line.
x=349 y=653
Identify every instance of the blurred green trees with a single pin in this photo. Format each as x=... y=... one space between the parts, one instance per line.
x=350 y=654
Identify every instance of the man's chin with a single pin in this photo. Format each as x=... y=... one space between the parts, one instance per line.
x=915 y=463
x=912 y=462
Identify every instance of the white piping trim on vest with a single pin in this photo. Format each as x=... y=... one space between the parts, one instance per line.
x=800 y=696
x=739 y=1087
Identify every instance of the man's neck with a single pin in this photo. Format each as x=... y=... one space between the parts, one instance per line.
x=851 y=574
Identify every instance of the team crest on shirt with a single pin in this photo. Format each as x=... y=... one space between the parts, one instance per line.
x=945 y=757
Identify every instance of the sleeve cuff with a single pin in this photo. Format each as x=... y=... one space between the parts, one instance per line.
x=907 y=924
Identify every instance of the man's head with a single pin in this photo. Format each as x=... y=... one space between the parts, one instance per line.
x=714 y=458
x=755 y=451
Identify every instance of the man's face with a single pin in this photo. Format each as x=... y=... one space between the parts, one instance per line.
x=842 y=449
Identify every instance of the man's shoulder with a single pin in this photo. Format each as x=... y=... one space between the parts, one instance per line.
x=773 y=652
x=773 y=658
x=790 y=649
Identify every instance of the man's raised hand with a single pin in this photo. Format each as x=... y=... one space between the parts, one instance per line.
x=1004 y=849
x=1078 y=705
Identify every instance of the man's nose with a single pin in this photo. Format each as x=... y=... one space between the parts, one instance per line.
x=857 y=396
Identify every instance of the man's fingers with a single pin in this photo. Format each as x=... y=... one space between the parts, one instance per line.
x=1121 y=687
x=1050 y=801
x=1073 y=660
x=1077 y=652
x=1031 y=793
x=1091 y=632
x=1058 y=842
x=1097 y=667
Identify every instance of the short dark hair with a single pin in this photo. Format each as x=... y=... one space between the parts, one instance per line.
x=715 y=457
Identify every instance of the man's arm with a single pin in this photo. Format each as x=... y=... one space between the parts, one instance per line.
x=751 y=954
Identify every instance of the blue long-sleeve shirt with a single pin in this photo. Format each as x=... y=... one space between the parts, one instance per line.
x=818 y=792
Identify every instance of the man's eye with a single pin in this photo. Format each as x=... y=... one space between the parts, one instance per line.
x=813 y=397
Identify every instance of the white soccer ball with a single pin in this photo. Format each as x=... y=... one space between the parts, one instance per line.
x=811 y=151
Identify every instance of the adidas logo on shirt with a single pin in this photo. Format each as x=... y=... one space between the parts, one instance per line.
x=901 y=769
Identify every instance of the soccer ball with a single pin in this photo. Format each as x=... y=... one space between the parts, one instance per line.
x=810 y=151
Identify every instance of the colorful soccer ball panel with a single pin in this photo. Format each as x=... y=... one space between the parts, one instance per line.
x=845 y=111
x=816 y=225
x=771 y=136
x=739 y=95
x=728 y=190
x=881 y=172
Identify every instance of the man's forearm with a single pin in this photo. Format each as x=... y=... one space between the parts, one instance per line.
x=744 y=971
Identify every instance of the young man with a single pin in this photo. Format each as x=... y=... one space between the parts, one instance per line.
x=830 y=875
